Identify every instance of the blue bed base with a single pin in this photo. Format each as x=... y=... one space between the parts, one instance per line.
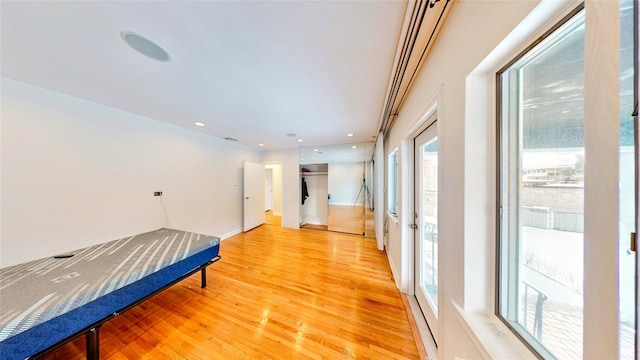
x=88 y=318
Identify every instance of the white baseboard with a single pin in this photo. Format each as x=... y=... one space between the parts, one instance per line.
x=394 y=272
x=230 y=234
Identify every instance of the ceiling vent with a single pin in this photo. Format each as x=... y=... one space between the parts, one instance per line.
x=231 y=138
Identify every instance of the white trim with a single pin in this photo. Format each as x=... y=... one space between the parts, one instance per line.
x=230 y=234
x=490 y=336
x=428 y=115
x=601 y=176
x=378 y=191
x=394 y=272
x=542 y=18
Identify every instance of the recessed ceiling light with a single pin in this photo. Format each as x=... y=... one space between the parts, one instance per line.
x=145 y=46
x=316 y=150
x=197 y=123
x=300 y=140
x=349 y=135
x=260 y=144
x=291 y=135
x=353 y=147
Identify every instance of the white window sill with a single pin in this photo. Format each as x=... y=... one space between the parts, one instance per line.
x=491 y=337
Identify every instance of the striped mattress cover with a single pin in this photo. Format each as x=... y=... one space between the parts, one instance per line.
x=42 y=302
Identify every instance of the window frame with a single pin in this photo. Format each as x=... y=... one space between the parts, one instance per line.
x=502 y=223
x=392 y=194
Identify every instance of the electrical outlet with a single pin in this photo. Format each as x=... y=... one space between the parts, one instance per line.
x=157 y=193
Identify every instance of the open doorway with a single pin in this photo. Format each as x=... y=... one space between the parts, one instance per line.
x=273 y=194
x=335 y=183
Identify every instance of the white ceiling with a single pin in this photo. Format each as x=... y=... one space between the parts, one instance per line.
x=337 y=153
x=250 y=70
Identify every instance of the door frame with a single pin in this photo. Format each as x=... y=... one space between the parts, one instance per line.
x=280 y=186
x=430 y=316
x=249 y=194
x=428 y=117
x=431 y=110
x=268 y=172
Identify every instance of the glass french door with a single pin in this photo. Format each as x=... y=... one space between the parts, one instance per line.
x=426 y=225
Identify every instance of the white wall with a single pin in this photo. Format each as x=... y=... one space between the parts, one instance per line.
x=75 y=174
x=345 y=180
x=290 y=183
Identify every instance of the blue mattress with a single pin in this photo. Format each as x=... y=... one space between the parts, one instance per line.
x=43 y=302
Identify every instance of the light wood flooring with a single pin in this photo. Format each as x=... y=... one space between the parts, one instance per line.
x=276 y=294
x=343 y=218
x=271 y=219
x=347 y=219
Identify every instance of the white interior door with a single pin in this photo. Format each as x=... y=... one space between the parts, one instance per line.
x=426 y=226
x=253 y=195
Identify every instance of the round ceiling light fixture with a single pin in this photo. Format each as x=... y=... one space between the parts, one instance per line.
x=349 y=134
x=197 y=123
x=145 y=46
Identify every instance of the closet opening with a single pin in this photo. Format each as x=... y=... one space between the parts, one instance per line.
x=335 y=183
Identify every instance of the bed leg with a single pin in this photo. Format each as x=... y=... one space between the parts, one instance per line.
x=93 y=344
x=204 y=277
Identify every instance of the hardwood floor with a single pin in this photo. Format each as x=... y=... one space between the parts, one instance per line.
x=347 y=219
x=276 y=294
x=271 y=219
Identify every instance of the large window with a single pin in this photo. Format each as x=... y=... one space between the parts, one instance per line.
x=393 y=183
x=541 y=166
